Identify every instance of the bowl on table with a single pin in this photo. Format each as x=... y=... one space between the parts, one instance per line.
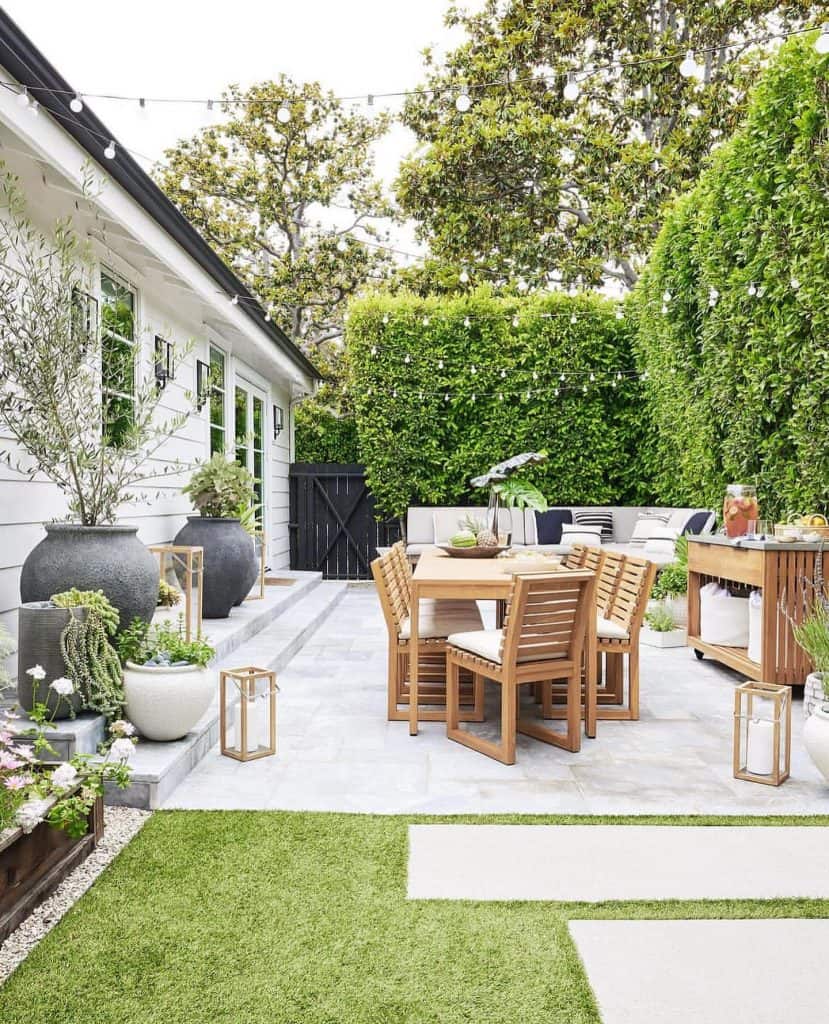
x=476 y=551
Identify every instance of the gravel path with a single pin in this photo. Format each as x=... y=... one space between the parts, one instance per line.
x=120 y=825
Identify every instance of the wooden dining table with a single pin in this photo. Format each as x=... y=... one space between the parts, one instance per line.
x=439 y=575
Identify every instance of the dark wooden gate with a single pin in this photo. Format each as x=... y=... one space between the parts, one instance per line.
x=332 y=525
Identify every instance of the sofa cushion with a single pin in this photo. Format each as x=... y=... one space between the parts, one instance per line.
x=446 y=522
x=662 y=541
x=699 y=522
x=603 y=518
x=440 y=618
x=647 y=524
x=548 y=525
x=419 y=526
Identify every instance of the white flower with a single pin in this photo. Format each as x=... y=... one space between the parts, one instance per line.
x=121 y=727
x=30 y=814
x=38 y=672
x=64 y=776
x=122 y=749
x=63 y=686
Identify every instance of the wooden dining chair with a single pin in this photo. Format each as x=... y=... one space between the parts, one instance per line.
x=437 y=620
x=542 y=639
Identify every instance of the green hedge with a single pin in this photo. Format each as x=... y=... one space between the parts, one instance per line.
x=739 y=392
x=426 y=449
x=321 y=436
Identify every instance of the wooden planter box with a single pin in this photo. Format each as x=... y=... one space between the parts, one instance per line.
x=33 y=865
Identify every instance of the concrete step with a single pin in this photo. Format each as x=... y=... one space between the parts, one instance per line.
x=157 y=768
x=84 y=734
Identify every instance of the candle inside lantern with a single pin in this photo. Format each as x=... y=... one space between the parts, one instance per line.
x=252 y=725
x=760 y=747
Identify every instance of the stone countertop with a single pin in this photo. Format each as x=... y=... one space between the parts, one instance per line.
x=755 y=545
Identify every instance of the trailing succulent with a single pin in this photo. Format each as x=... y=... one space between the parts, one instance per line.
x=92 y=662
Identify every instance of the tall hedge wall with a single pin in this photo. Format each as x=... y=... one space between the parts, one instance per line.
x=738 y=387
x=425 y=449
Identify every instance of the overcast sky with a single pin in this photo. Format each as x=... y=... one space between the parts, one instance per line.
x=194 y=49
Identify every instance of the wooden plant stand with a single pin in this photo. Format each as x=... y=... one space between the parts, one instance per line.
x=779 y=571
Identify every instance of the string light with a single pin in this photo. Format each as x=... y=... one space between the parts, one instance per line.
x=516 y=321
x=822 y=41
x=426 y=321
x=440 y=364
x=235 y=300
x=503 y=374
x=574 y=319
x=473 y=369
x=666 y=296
x=342 y=245
x=385 y=318
x=374 y=350
x=795 y=284
x=752 y=289
x=689 y=67
x=23 y=97
x=283 y=115
x=474 y=396
x=109 y=152
x=76 y=104
x=571 y=89
x=268 y=317
x=446 y=397
x=408 y=358
x=535 y=374
x=620 y=313
x=713 y=296
x=463 y=102
x=463 y=277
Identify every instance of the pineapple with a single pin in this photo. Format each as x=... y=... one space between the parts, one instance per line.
x=487 y=539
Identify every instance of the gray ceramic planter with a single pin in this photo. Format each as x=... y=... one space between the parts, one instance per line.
x=108 y=558
x=40 y=625
x=229 y=562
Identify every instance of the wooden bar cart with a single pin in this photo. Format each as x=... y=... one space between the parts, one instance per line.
x=779 y=571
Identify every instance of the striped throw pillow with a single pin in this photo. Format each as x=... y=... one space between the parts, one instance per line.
x=647 y=525
x=604 y=520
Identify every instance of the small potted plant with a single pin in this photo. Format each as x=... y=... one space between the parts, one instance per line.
x=813 y=636
x=166 y=682
x=671 y=586
x=218 y=489
x=661 y=629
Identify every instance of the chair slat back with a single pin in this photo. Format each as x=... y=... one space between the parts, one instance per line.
x=576 y=556
x=610 y=573
x=632 y=592
x=402 y=566
x=392 y=589
x=547 y=617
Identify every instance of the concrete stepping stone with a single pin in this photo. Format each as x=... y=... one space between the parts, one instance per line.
x=591 y=863
x=716 y=972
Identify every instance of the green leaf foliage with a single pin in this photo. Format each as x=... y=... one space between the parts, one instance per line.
x=425 y=449
x=320 y=435
x=738 y=376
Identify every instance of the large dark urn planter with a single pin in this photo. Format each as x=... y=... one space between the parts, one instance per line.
x=229 y=562
x=39 y=628
x=108 y=558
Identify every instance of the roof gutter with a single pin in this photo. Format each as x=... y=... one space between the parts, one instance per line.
x=24 y=62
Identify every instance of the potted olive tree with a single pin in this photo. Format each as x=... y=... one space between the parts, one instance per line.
x=61 y=410
x=219 y=490
x=166 y=682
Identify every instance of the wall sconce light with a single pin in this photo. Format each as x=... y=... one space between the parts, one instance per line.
x=84 y=322
x=278 y=421
x=163 y=362
x=202 y=384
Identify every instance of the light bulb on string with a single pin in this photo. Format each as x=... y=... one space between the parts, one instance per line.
x=385 y=318
x=446 y=397
x=283 y=115
x=664 y=309
x=515 y=321
x=474 y=396
x=689 y=67
x=473 y=369
x=440 y=364
x=394 y=393
x=752 y=289
x=563 y=376
x=342 y=245
x=571 y=89
x=467 y=322
x=184 y=184
x=666 y=296
x=556 y=392
x=535 y=374
x=109 y=152
x=822 y=41
x=235 y=300
x=268 y=317
x=592 y=376
x=795 y=284
x=522 y=285
x=619 y=375
x=573 y=319
x=426 y=321
x=374 y=350
x=500 y=396
x=620 y=313
x=503 y=374
x=463 y=102
x=584 y=389
x=613 y=383
x=529 y=395
x=713 y=296
x=76 y=104
x=463 y=277
x=23 y=97
x=408 y=358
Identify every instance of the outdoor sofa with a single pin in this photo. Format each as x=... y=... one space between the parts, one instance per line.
x=647 y=532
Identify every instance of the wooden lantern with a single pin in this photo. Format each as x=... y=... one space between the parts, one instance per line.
x=182 y=567
x=762 y=733
x=247 y=713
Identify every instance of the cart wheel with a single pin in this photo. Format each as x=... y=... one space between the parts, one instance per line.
x=699 y=654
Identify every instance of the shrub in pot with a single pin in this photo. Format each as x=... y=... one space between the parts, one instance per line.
x=813 y=636
x=167 y=684
x=670 y=590
x=51 y=345
x=217 y=490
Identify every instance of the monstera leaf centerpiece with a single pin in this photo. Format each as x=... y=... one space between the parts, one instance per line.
x=507 y=490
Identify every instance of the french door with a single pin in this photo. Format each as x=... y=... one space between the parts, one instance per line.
x=249 y=434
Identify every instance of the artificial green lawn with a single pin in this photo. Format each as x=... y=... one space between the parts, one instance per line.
x=293 y=918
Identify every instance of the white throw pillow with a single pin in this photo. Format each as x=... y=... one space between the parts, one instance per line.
x=662 y=541
x=572 y=533
x=645 y=525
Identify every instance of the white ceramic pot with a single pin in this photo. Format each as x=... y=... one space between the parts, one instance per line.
x=670 y=638
x=816 y=738
x=165 y=703
x=813 y=693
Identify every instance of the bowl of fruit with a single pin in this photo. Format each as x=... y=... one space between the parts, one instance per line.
x=473 y=540
x=811 y=526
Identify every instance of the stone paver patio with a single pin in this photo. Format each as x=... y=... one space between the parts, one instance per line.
x=337 y=752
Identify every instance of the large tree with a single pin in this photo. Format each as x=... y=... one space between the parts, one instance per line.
x=284 y=189
x=532 y=183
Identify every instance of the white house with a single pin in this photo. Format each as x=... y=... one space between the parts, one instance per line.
x=147 y=254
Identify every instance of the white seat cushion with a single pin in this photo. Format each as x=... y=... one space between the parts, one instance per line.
x=486 y=643
x=438 y=619
x=607 y=629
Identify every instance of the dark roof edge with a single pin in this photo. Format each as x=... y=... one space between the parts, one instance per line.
x=30 y=68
